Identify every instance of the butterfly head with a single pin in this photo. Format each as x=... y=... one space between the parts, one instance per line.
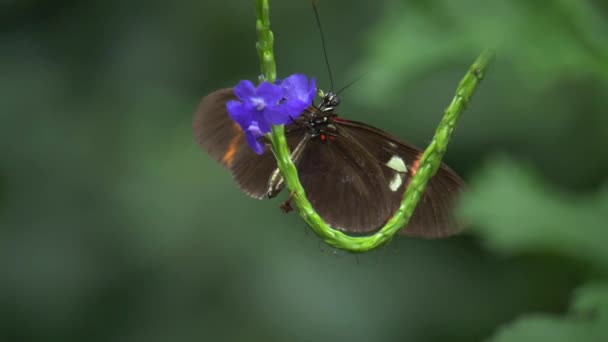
x=330 y=102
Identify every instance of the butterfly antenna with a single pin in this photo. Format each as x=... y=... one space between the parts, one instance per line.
x=331 y=79
x=351 y=83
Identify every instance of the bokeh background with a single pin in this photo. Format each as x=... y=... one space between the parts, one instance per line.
x=114 y=226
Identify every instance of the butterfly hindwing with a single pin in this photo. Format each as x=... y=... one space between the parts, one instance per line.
x=257 y=175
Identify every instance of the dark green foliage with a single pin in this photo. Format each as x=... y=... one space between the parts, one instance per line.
x=515 y=211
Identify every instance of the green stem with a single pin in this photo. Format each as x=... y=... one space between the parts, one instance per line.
x=265 y=44
x=429 y=163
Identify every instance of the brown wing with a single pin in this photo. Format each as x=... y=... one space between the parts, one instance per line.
x=434 y=215
x=223 y=139
x=344 y=184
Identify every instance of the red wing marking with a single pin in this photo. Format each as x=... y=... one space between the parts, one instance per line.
x=414 y=168
x=415 y=164
x=228 y=157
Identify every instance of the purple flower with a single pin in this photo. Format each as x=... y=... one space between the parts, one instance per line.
x=253 y=135
x=298 y=93
x=269 y=104
x=254 y=105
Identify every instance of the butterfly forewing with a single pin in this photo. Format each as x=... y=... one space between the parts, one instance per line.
x=433 y=216
x=224 y=140
x=214 y=131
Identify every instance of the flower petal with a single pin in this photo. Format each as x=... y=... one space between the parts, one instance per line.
x=278 y=115
x=244 y=90
x=294 y=108
x=271 y=93
x=253 y=140
x=297 y=87
x=261 y=122
x=293 y=85
x=255 y=129
x=241 y=113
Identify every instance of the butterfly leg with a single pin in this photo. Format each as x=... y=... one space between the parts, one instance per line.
x=286 y=206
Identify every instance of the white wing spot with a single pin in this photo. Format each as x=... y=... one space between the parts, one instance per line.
x=397 y=164
x=395 y=182
x=392 y=144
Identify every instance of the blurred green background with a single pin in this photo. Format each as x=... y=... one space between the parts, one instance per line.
x=114 y=226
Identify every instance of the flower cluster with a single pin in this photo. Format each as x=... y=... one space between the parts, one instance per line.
x=269 y=104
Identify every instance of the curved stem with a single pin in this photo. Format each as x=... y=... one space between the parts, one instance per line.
x=429 y=162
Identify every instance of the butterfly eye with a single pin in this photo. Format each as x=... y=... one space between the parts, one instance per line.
x=332 y=99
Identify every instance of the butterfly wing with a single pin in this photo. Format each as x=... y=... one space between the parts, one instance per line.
x=216 y=133
x=399 y=160
x=344 y=183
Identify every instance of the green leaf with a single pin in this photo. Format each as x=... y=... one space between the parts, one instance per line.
x=541 y=42
x=535 y=328
x=592 y=299
x=515 y=211
x=588 y=321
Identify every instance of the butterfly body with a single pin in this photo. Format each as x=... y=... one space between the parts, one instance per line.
x=353 y=174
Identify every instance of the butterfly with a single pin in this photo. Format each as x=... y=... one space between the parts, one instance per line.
x=354 y=174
